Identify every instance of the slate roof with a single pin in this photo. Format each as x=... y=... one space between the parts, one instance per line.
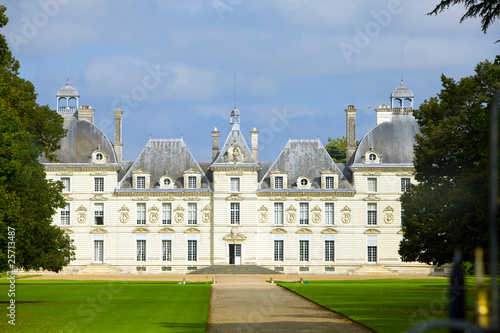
x=393 y=140
x=304 y=157
x=82 y=139
x=235 y=138
x=161 y=156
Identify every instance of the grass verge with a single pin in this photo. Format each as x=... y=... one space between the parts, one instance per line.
x=105 y=306
x=390 y=305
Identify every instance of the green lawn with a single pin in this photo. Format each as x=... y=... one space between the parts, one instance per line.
x=389 y=305
x=105 y=306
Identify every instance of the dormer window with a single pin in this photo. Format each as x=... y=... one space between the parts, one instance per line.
x=329 y=179
x=278 y=182
x=166 y=182
x=192 y=178
x=303 y=182
x=99 y=157
x=141 y=179
x=372 y=156
x=279 y=179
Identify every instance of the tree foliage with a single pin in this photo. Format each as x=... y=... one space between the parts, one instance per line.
x=488 y=10
x=336 y=148
x=27 y=200
x=448 y=209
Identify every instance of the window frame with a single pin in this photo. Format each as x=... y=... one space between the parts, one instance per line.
x=303 y=250
x=279 y=214
x=371 y=213
x=192 y=182
x=166 y=250
x=279 y=250
x=192 y=250
x=66 y=187
x=329 y=182
x=141 y=213
x=99 y=184
x=101 y=215
x=405 y=183
x=65 y=215
x=304 y=213
x=98 y=255
x=141 y=182
x=371 y=185
x=329 y=250
x=329 y=214
x=276 y=183
x=235 y=213
x=141 y=250
x=235 y=184
x=166 y=214
x=192 y=212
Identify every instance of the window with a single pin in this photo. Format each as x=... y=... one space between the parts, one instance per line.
x=278 y=250
x=278 y=213
x=329 y=182
x=329 y=250
x=372 y=157
x=372 y=213
x=304 y=182
x=166 y=213
x=99 y=184
x=141 y=182
x=192 y=250
x=303 y=250
x=191 y=181
x=235 y=185
x=66 y=184
x=235 y=213
x=65 y=215
x=278 y=182
x=371 y=185
x=405 y=183
x=99 y=213
x=371 y=242
x=141 y=213
x=329 y=213
x=99 y=156
x=192 y=213
x=166 y=181
x=304 y=213
x=166 y=250
x=141 y=249
x=98 y=250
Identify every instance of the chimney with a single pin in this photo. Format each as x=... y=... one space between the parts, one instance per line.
x=215 y=143
x=86 y=113
x=118 y=135
x=255 y=143
x=350 y=132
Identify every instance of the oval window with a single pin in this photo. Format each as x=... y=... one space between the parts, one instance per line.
x=303 y=182
x=166 y=181
x=372 y=157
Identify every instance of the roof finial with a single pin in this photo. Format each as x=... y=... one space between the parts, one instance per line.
x=234 y=73
x=401 y=64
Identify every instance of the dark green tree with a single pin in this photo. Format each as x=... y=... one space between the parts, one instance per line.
x=27 y=200
x=488 y=10
x=336 y=149
x=448 y=209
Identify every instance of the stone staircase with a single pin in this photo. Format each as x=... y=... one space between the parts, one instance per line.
x=234 y=269
x=98 y=269
x=372 y=270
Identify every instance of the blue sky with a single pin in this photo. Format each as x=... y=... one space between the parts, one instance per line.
x=170 y=64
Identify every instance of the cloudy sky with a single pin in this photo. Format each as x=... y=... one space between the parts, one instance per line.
x=170 y=64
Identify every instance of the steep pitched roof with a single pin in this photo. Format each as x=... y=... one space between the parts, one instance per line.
x=304 y=158
x=235 y=150
x=162 y=156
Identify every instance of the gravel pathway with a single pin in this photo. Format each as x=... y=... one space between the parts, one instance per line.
x=246 y=303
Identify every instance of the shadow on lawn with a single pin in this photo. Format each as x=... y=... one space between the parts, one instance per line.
x=184 y=327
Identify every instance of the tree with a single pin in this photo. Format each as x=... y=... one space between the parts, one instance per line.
x=27 y=200
x=448 y=208
x=488 y=10
x=336 y=148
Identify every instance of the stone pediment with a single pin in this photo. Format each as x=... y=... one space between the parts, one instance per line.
x=329 y=172
x=278 y=231
x=329 y=231
x=98 y=231
x=329 y=199
x=140 y=171
x=277 y=198
x=234 y=197
x=140 y=199
x=166 y=231
x=98 y=197
x=278 y=172
x=67 y=231
x=372 y=231
x=263 y=209
x=140 y=231
x=234 y=237
x=191 y=199
x=372 y=197
x=192 y=171
x=304 y=231
x=303 y=199
x=192 y=231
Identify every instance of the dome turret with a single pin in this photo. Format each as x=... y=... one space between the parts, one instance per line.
x=400 y=95
x=70 y=95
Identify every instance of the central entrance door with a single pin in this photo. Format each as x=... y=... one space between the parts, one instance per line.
x=235 y=254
